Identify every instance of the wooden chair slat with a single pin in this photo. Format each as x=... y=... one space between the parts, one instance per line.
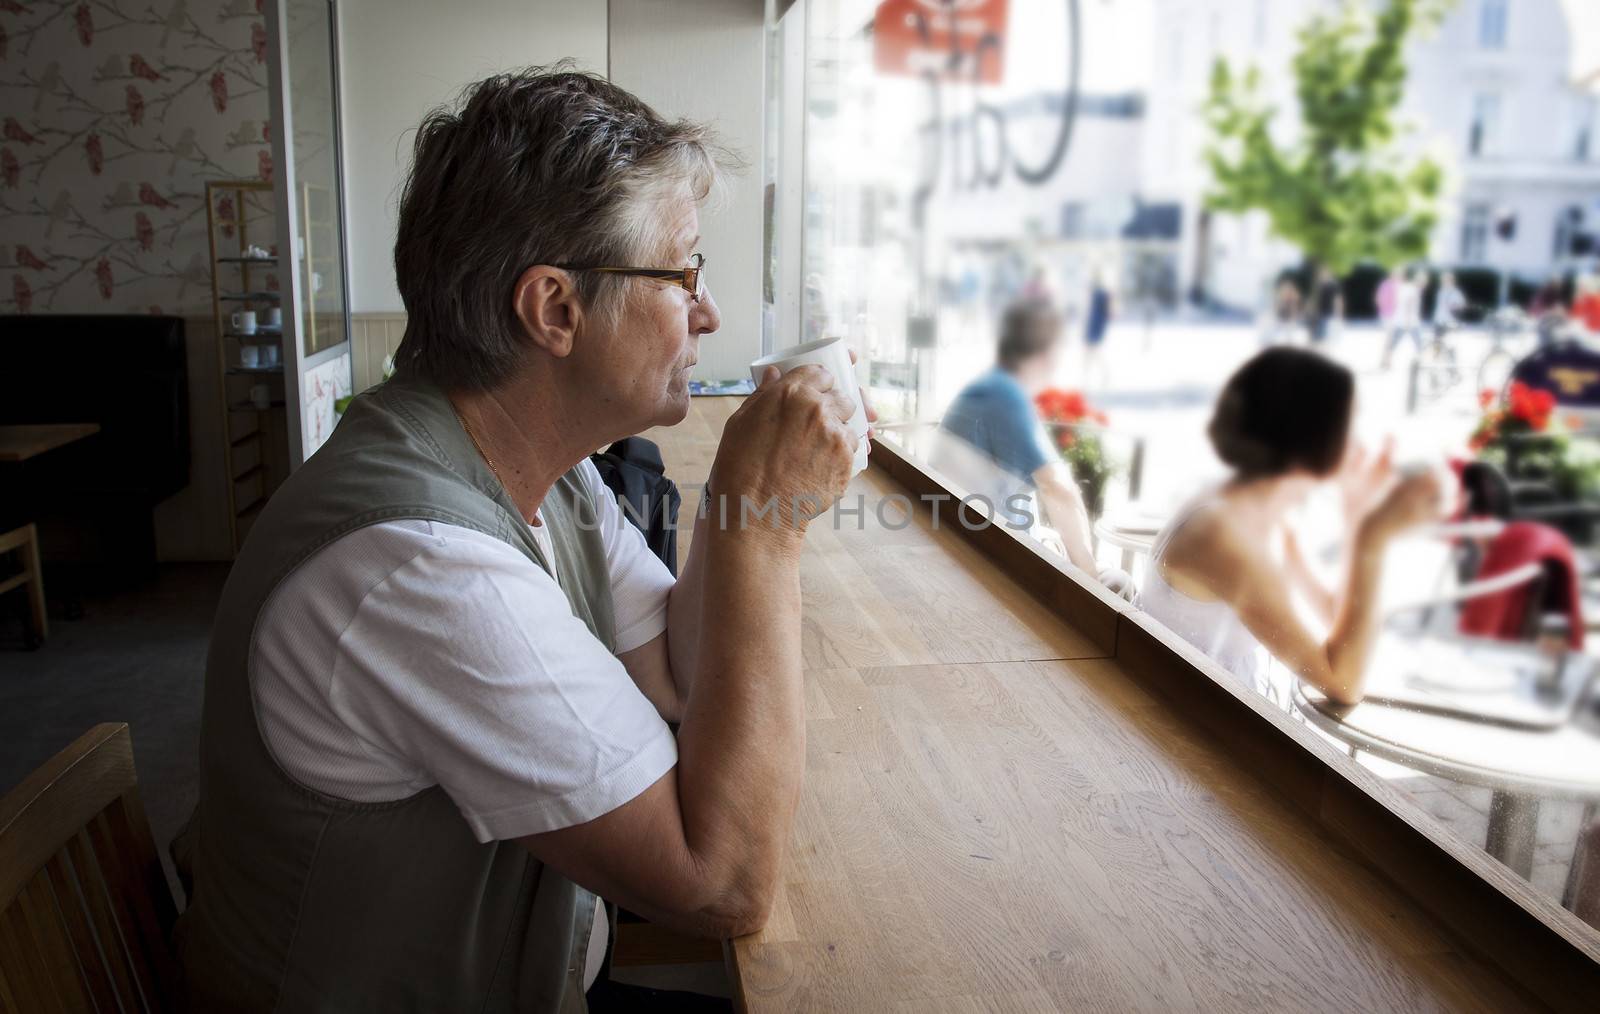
x=25 y=964
x=49 y=932
x=154 y=908
x=85 y=912
x=98 y=904
x=79 y=782
x=121 y=886
x=8 y=999
x=92 y=961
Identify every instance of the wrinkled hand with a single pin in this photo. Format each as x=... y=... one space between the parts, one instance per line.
x=789 y=444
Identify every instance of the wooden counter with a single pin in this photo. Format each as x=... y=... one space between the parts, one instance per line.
x=996 y=817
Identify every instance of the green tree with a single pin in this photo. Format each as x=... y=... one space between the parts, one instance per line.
x=1341 y=191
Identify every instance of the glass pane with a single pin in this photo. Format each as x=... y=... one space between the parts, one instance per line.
x=320 y=240
x=1010 y=209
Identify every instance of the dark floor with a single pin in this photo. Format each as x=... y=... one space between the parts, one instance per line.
x=136 y=656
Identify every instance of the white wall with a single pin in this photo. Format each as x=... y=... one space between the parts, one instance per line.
x=401 y=58
x=703 y=59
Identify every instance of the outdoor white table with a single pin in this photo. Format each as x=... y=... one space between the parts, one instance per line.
x=1520 y=765
x=1128 y=529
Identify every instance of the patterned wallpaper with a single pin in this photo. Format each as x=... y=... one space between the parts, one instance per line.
x=113 y=113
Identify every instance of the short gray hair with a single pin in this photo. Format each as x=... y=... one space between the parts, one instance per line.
x=542 y=166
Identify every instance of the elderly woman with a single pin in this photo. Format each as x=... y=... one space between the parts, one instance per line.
x=440 y=680
x=1225 y=571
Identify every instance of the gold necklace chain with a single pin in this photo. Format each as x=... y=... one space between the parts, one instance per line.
x=487 y=460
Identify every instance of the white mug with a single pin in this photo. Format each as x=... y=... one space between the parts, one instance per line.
x=274 y=317
x=269 y=355
x=261 y=396
x=250 y=356
x=833 y=354
x=244 y=321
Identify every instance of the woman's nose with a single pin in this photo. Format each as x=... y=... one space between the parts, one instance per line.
x=704 y=317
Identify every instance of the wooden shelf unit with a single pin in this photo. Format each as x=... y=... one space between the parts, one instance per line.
x=238 y=283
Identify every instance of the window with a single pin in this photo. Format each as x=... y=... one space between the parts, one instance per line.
x=1475 y=234
x=1484 y=130
x=997 y=197
x=1492 y=24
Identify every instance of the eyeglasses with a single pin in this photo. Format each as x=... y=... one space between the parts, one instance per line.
x=691 y=279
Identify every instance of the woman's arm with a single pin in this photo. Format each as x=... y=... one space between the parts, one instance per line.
x=1244 y=575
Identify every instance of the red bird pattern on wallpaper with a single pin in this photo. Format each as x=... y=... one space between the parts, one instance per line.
x=28 y=259
x=14 y=131
x=219 y=91
x=139 y=67
x=83 y=138
x=103 y=280
x=148 y=195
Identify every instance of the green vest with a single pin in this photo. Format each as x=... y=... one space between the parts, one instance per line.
x=303 y=902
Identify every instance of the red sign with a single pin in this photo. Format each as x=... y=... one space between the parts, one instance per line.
x=960 y=40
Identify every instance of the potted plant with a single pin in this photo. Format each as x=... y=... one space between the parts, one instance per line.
x=1075 y=426
x=1519 y=435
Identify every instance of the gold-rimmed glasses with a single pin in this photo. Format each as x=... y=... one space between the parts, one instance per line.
x=691 y=279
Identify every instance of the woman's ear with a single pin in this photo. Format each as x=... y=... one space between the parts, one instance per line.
x=546 y=303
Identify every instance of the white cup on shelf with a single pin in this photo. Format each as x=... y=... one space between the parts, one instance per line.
x=269 y=355
x=274 y=317
x=244 y=321
x=250 y=356
x=261 y=396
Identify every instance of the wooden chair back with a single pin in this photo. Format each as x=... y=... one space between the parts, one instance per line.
x=85 y=911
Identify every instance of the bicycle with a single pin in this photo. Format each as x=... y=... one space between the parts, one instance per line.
x=1494 y=370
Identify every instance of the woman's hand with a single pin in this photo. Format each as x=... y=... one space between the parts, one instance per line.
x=1364 y=479
x=1416 y=499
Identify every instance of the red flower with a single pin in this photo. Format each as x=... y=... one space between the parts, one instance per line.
x=219 y=91
x=135 y=105
x=85 y=23
x=97 y=157
x=102 y=276
x=1485 y=398
x=21 y=293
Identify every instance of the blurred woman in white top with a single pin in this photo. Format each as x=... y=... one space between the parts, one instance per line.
x=1225 y=571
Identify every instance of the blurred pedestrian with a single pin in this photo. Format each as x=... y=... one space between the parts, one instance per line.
x=1448 y=305
x=1327 y=305
x=1096 y=325
x=1285 y=312
x=1407 y=317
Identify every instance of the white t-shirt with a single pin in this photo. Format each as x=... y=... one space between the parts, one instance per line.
x=411 y=653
